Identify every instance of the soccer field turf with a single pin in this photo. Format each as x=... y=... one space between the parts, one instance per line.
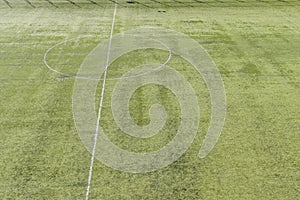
x=254 y=44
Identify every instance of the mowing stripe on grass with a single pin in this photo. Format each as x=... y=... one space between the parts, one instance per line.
x=100 y=104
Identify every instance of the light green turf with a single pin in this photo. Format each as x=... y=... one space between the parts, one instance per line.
x=256 y=47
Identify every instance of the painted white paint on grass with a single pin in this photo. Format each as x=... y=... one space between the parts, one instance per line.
x=156 y=43
x=134 y=162
x=101 y=104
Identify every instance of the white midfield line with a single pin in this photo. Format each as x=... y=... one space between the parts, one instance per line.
x=100 y=104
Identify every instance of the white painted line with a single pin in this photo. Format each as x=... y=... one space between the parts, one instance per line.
x=100 y=104
x=100 y=79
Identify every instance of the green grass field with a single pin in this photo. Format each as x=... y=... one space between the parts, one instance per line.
x=254 y=44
